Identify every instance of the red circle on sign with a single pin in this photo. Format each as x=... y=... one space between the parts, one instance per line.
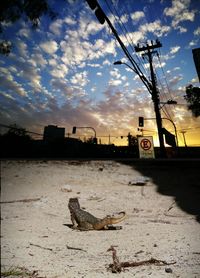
x=145 y=144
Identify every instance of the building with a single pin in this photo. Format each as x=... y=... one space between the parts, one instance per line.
x=196 y=57
x=52 y=133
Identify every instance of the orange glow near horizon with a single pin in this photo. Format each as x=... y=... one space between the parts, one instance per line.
x=192 y=139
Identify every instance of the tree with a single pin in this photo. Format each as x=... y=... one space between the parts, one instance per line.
x=13 y=10
x=16 y=132
x=193 y=99
x=132 y=141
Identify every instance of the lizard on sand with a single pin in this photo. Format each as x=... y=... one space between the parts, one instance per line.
x=86 y=221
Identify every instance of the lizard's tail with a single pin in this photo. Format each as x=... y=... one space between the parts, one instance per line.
x=114 y=220
x=109 y=220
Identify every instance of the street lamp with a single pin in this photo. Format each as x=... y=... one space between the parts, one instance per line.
x=120 y=63
x=169 y=102
x=117 y=63
x=183 y=132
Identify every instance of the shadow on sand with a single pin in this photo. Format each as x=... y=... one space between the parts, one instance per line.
x=178 y=178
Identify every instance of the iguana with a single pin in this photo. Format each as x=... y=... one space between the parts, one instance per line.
x=86 y=221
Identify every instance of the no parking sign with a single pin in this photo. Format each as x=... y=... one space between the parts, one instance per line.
x=146 y=148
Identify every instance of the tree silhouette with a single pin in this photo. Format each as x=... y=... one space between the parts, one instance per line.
x=132 y=141
x=193 y=99
x=29 y=10
x=16 y=132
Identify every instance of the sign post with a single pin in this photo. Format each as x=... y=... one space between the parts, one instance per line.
x=146 y=147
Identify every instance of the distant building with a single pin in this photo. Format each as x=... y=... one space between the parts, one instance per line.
x=52 y=132
x=196 y=57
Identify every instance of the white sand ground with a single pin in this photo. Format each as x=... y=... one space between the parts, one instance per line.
x=102 y=187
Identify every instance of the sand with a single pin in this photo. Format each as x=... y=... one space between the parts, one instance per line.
x=34 y=233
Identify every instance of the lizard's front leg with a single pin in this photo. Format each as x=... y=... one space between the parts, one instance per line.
x=74 y=224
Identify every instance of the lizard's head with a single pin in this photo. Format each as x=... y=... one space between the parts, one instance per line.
x=73 y=203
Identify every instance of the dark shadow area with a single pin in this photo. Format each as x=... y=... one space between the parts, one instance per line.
x=109 y=228
x=20 y=147
x=178 y=178
x=14 y=147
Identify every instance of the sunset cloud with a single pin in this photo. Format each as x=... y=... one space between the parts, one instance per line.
x=62 y=73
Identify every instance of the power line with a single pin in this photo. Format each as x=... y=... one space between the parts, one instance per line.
x=166 y=82
x=126 y=33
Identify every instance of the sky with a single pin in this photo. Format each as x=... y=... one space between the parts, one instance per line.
x=62 y=73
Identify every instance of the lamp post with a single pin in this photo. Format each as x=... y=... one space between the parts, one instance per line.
x=149 y=87
x=175 y=130
x=183 y=132
x=152 y=88
x=120 y=63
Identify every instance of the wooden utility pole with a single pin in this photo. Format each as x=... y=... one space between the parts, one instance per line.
x=154 y=91
x=151 y=86
x=183 y=132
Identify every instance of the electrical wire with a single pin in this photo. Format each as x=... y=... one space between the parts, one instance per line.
x=165 y=89
x=140 y=60
x=124 y=31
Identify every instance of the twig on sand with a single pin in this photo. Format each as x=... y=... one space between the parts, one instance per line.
x=75 y=248
x=166 y=212
x=45 y=248
x=21 y=201
x=118 y=266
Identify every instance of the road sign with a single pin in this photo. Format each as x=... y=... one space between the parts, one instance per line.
x=146 y=148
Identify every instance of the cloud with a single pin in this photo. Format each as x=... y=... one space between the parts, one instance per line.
x=124 y=18
x=24 y=32
x=59 y=70
x=9 y=85
x=26 y=70
x=179 y=12
x=197 y=31
x=136 y=16
x=59 y=96
x=193 y=43
x=156 y=28
x=56 y=26
x=70 y=21
x=62 y=86
x=115 y=82
x=22 y=48
x=175 y=80
x=94 y=65
x=80 y=79
x=106 y=62
x=115 y=73
x=50 y=47
x=181 y=29
x=174 y=49
x=75 y=51
x=88 y=27
x=38 y=60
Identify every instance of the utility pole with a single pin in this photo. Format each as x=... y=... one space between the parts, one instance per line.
x=154 y=92
x=151 y=86
x=183 y=132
